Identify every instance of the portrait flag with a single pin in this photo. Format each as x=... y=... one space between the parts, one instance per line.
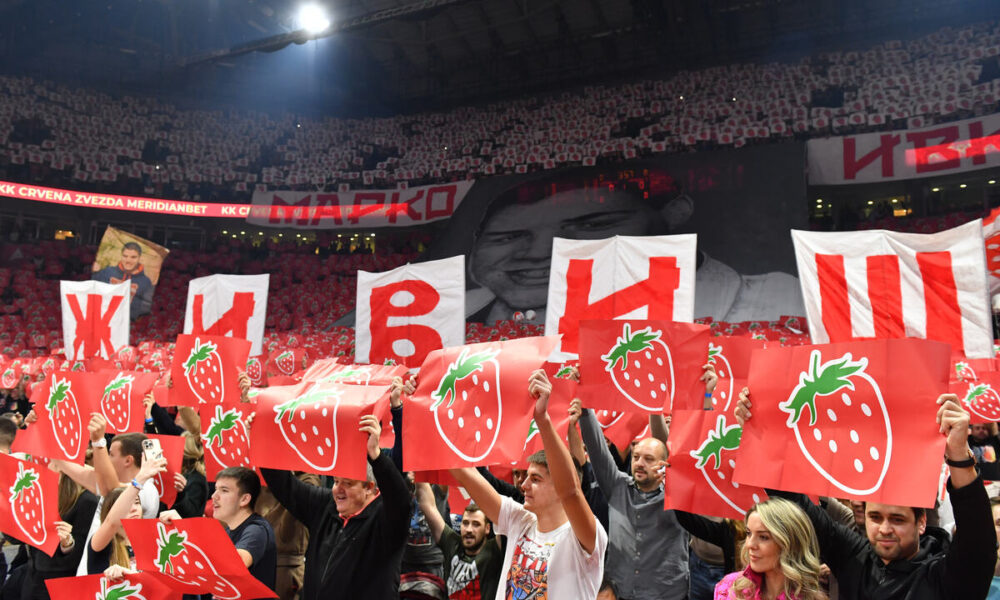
x=622 y=277
x=63 y=402
x=472 y=405
x=883 y=284
x=642 y=366
x=228 y=305
x=205 y=369
x=405 y=313
x=95 y=318
x=850 y=420
x=123 y=257
x=195 y=555
x=313 y=427
x=29 y=503
x=133 y=586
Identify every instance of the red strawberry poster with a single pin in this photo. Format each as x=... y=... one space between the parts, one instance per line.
x=225 y=437
x=287 y=362
x=195 y=555
x=255 y=370
x=647 y=366
x=731 y=357
x=472 y=405
x=980 y=397
x=330 y=370
x=849 y=420
x=313 y=426
x=563 y=392
x=205 y=369
x=134 y=586
x=969 y=369
x=703 y=447
x=121 y=399
x=63 y=402
x=173 y=451
x=29 y=503
x=620 y=428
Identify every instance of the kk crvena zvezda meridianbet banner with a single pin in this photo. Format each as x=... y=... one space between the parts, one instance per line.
x=313 y=427
x=472 y=405
x=228 y=305
x=95 y=318
x=63 y=402
x=29 y=503
x=121 y=399
x=883 y=284
x=134 y=586
x=405 y=313
x=731 y=357
x=649 y=366
x=854 y=420
x=621 y=277
x=703 y=449
x=205 y=369
x=196 y=556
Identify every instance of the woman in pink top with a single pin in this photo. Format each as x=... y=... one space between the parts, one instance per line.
x=781 y=554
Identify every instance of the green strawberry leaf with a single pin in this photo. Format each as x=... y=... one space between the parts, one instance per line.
x=713 y=351
x=312 y=396
x=221 y=423
x=60 y=387
x=24 y=480
x=120 y=591
x=975 y=391
x=118 y=383
x=200 y=352
x=169 y=545
x=822 y=380
x=721 y=438
x=628 y=343
x=564 y=372
x=464 y=366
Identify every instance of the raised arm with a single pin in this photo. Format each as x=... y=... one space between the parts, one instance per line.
x=107 y=478
x=561 y=467
x=605 y=469
x=482 y=492
x=391 y=484
x=120 y=509
x=428 y=506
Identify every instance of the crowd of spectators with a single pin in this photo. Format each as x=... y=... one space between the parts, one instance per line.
x=86 y=139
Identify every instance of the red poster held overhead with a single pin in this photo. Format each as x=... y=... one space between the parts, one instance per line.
x=853 y=420
x=134 y=586
x=731 y=357
x=63 y=402
x=29 y=503
x=173 y=451
x=472 y=405
x=205 y=369
x=121 y=399
x=225 y=437
x=642 y=366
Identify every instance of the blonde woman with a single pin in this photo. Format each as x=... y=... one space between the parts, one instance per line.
x=192 y=487
x=781 y=554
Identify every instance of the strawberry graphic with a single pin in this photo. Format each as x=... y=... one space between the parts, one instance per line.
x=227 y=439
x=8 y=379
x=472 y=379
x=186 y=563
x=116 y=402
x=285 y=362
x=203 y=372
x=607 y=418
x=27 y=505
x=857 y=460
x=964 y=372
x=564 y=372
x=724 y=388
x=353 y=375
x=721 y=440
x=255 y=371
x=308 y=424
x=64 y=417
x=120 y=591
x=637 y=363
x=983 y=401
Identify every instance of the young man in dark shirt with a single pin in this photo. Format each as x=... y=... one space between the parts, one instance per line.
x=236 y=492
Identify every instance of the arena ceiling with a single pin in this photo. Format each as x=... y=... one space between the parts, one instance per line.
x=400 y=55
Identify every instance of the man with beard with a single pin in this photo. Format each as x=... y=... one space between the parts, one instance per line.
x=472 y=560
x=130 y=269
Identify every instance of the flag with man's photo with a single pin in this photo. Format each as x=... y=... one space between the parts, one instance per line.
x=124 y=257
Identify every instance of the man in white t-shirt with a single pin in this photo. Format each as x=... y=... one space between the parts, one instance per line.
x=555 y=545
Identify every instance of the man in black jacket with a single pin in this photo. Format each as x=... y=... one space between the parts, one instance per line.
x=900 y=559
x=357 y=533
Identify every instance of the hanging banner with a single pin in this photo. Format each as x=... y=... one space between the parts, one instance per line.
x=906 y=154
x=360 y=208
x=622 y=277
x=95 y=318
x=883 y=284
x=123 y=257
x=228 y=305
x=405 y=313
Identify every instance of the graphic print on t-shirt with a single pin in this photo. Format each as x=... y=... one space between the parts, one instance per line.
x=528 y=577
x=463 y=580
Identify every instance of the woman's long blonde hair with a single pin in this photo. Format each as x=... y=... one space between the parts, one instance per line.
x=798 y=560
x=119 y=549
x=194 y=453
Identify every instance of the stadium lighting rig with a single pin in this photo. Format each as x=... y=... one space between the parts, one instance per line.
x=313 y=19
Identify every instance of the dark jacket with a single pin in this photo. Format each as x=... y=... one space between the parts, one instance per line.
x=938 y=572
x=358 y=558
x=719 y=533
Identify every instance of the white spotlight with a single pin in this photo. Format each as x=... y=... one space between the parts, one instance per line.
x=313 y=18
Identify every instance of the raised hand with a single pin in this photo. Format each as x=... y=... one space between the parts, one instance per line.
x=540 y=388
x=371 y=426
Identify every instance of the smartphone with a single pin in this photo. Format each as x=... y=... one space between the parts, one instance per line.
x=151 y=449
